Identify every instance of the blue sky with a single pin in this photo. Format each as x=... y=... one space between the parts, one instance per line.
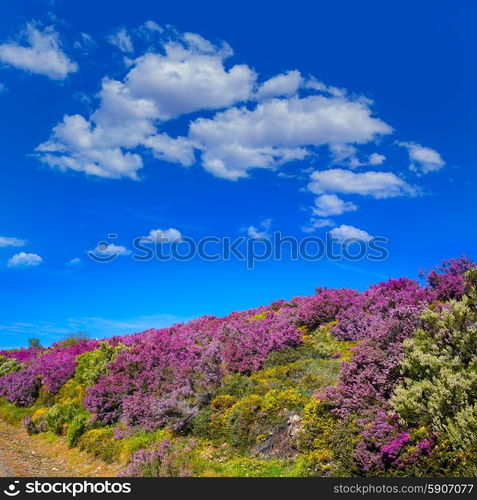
x=225 y=119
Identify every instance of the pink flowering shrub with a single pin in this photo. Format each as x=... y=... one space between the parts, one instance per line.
x=20 y=387
x=447 y=280
x=22 y=355
x=57 y=365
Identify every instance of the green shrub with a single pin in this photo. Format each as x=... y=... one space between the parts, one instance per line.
x=78 y=426
x=59 y=415
x=90 y=365
x=100 y=443
x=8 y=365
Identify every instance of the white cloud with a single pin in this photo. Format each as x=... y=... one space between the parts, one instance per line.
x=164 y=235
x=423 y=160
x=23 y=259
x=344 y=232
x=317 y=224
x=9 y=241
x=260 y=234
x=106 y=250
x=188 y=77
x=153 y=26
x=285 y=84
x=376 y=159
x=75 y=261
x=279 y=130
x=345 y=154
x=330 y=204
x=41 y=54
x=164 y=147
x=376 y=184
x=121 y=40
x=85 y=42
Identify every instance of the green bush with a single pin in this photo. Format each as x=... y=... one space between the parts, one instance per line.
x=78 y=426
x=59 y=415
x=8 y=365
x=90 y=365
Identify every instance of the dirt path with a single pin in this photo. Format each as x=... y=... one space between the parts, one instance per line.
x=25 y=456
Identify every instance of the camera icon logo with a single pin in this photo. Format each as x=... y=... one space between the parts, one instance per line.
x=12 y=490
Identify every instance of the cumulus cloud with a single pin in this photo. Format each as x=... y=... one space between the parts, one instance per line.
x=9 y=241
x=121 y=40
x=330 y=204
x=164 y=147
x=189 y=76
x=38 y=51
x=423 y=160
x=23 y=259
x=280 y=130
x=260 y=234
x=345 y=232
x=376 y=184
x=376 y=159
x=285 y=84
x=163 y=235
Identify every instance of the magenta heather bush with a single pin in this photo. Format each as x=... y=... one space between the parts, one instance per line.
x=384 y=444
x=447 y=280
x=355 y=321
x=368 y=380
x=245 y=343
x=22 y=355
x=57 y=365
x=21 y=387
x=52 y=368
x=165 y=459
x=320 y=308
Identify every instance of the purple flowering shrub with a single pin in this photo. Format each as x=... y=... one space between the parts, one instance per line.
x=447 y=280
x=20 y=387
x=165 y=459
x=51 y=368
x=22 y=355
x=57 y=365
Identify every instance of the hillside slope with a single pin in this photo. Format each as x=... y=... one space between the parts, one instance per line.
x=340 y=383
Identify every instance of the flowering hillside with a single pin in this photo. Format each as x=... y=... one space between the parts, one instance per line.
x=340 y=383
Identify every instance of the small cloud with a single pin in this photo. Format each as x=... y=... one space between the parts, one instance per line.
x=379 y=185
x=330 y=204
x=23 y=259
x=376 y=159
x=317 y=224
x=8 y=241
x=76 y=261
x=285 y=84
x=170 y=235
x=105 y=250
x=85 y=42
x=122 y=40
x=423 y=160
x=258 y=234
x=41 y=53
x=345 y=232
